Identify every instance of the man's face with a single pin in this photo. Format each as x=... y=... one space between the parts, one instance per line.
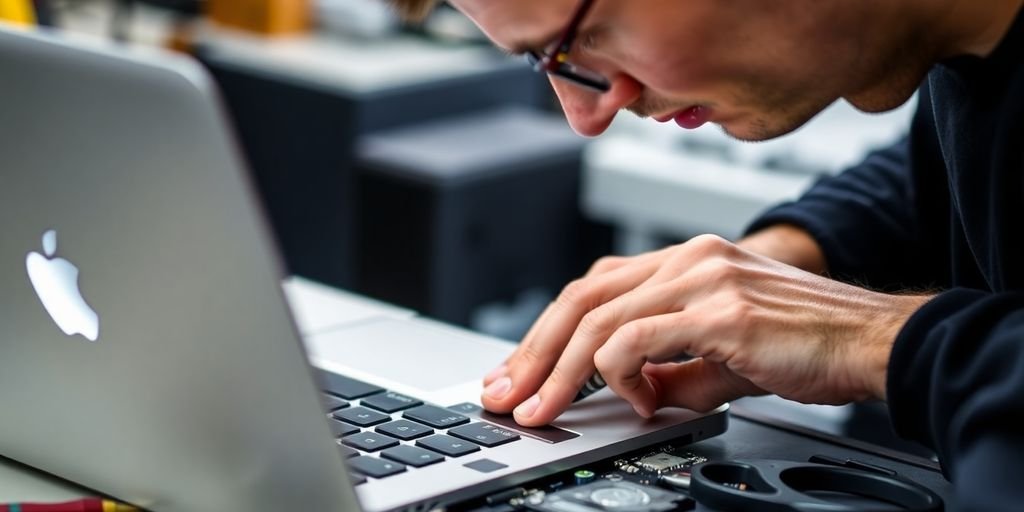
x=757 y=68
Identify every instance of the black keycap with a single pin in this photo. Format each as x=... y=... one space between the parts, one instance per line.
x=390 y=402
x=346 y=387
x=447 y=445
x=411 y=455
x=435 y=416
x=466 y=408
x=342 y=429
x=332 y=403
x=361 y=416
x=346 y=451
x=377 y=468
x=356 y=478
x=369 y=441
x=484 y=434
x=405 y=430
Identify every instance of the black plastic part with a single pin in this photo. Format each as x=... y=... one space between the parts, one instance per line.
x=783 y=486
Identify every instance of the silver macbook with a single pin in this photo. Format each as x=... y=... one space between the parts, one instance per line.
x=146 y=347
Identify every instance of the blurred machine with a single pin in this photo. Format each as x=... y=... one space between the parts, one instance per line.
x=469 y=210
x=301 y=103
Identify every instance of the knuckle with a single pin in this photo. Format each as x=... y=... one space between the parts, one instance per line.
x=605 y=264
x=558 y=377
x=574 y=293
x=604 y=362
x=709 y=244
x=529 y=355
x=598 y=321
x=631 y=335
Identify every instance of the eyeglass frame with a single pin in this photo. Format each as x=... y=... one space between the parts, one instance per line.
x=557 y=63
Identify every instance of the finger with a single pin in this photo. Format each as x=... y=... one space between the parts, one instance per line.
x=601 y=266
x=536 y=356
x=698 y=384
x=609 y=263
x=576 y=364
x=502 y=369
x=653 y=339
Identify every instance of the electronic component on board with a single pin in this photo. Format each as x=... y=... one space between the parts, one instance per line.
x=605 y=496
x=584 y=476
x=662 y=463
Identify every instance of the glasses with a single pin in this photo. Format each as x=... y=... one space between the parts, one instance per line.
x=556 y=63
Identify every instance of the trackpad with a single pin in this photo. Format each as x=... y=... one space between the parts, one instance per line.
x=413 y=352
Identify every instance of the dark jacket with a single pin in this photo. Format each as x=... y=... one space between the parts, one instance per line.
x=943 y=210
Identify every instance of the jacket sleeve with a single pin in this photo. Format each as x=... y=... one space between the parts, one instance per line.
x=860 y=218
x=955 y=383
x=866 y=219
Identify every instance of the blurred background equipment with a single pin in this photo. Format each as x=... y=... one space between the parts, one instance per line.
x=18 y=11
x=183 y=13
x=470 y=210
x=264 y=16
x=356 y=18
x=300 y=105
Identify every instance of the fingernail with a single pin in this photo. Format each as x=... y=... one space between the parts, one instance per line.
x=527 y=408
x=499 y=388
x=497 y=373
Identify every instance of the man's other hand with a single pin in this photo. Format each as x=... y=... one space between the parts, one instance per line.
x=752 y=324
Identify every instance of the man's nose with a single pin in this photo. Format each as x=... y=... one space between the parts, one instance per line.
x=590 y=112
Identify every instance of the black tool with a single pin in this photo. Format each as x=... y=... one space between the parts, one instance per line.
x=594 y=384
x=784 y=486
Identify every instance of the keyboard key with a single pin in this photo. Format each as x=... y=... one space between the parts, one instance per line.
x=447 y=445
x=466 y=408
x=361 y=416
x=342 y=429
x=377 y=468
x=346 y=451
x=356 y=478
x=484 y=434
x=405 y=430
x=369 y=441
x=390 y=402
x=435 y=416
x=332 y=403
x=411 y=455
x=346 y=387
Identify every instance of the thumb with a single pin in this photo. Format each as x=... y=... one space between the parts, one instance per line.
x=697 y=384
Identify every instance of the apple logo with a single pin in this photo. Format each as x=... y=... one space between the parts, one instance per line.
x=56 y=283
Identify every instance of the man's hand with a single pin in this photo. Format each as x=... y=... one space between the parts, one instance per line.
x=753 y=324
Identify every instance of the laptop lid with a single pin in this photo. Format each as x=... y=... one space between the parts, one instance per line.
x=143 y=331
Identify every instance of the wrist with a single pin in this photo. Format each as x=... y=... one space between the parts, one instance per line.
x=881 y=336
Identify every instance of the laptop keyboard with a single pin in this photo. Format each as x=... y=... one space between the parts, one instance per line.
x=382 y=433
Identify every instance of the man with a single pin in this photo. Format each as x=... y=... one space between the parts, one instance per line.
x=938 y=211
